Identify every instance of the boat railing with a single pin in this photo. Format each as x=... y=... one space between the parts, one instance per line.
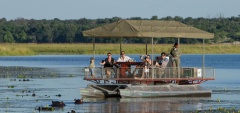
x=183 y=73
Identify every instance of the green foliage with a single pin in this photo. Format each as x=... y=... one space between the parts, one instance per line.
x=70 y=31
x=8 y=37
x=22 y=37
x=238 y=33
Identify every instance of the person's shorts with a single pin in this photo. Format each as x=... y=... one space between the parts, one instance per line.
x=146 y=70
x=91 y=70
x=108 y=68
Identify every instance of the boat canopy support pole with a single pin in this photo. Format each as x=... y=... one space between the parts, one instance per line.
x=152 y=61
x=93 y=40
x=203 y=59
x=146 y=45
x=120 y=46
x=178 y=67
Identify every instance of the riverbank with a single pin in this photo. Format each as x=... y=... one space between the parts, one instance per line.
x=83 y=48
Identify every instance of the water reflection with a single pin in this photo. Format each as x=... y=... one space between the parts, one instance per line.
x=174 y=104
x=144 y=105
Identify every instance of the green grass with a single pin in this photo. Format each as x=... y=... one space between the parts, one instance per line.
x=83 y=48
x=14 y=50
x=238 y=33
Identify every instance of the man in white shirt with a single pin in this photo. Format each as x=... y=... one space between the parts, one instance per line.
x=123 y=57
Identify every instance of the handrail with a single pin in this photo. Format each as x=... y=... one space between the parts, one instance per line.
x=158 y=73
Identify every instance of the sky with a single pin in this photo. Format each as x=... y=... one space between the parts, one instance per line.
x=100 y=9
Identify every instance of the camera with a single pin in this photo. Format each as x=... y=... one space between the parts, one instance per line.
x=142 y=57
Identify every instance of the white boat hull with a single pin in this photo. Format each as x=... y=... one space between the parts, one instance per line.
x=101 y=91
x=170 y=90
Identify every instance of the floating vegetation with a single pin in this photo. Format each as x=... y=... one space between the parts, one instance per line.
x=21 y=76
x=25 y=91
x=11 y=86
x=36 y=72
x=70 y=75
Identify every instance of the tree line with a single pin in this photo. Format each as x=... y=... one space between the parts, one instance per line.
x=20 y=30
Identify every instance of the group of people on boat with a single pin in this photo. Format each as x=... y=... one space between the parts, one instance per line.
x=109 y=63
x=161 y=62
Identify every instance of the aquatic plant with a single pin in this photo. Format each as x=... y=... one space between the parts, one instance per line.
x=210 y=108
x=11 y=86
x=21 y=76
x=70 y=75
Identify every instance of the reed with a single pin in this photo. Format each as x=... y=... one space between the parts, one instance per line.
x=14 y=50
x=87 y=48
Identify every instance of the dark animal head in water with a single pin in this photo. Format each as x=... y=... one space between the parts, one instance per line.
x=78 y=101
x=57 y=104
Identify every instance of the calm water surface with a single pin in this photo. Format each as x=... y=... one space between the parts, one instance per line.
x=19 y=99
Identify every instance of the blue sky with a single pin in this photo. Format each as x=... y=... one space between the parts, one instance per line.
x=95 y=9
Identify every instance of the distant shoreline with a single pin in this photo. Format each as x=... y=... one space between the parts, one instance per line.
x=7 y=49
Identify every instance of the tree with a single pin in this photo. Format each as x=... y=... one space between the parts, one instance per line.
x=154 y=18
x=8 y=37
x=70 y=31
x=2 y=20
x=22 y=37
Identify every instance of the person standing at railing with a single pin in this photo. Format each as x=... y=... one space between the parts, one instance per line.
x=175 y=58
x=162 y=64
x=147 y=63
x=108 y=64
x=91 y=67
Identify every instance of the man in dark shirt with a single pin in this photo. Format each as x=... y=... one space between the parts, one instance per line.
x=175 y=59
x=176 y=56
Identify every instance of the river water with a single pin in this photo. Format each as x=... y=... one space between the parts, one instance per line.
x=58 y=78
